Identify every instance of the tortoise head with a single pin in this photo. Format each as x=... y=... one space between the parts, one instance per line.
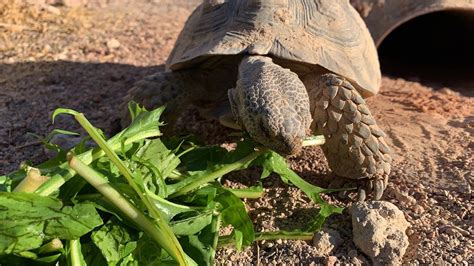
x=271 y=104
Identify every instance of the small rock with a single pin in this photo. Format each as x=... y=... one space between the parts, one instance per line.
x=113 y=44
x=73 y=3
x=327 y=240
x=453 y=230
x=378 y=229
x=404 y=197
x=418 y=209
x=356 y=261
x=331 y=261
x=53 y=10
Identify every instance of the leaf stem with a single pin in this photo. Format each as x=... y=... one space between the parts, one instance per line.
x=163 y=237
x=247 y=193
x=62 y=173
x=32 y=181
x=75 y=253
x=52 y=246
x=314 y=141
x=196 y=182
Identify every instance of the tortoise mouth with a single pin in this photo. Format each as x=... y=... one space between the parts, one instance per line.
x=436 y=49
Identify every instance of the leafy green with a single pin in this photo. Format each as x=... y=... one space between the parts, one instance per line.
x=114 y=241
x=29 y=219
x=5 y=183
x=273 y=162
x=193 y=224
x=233 y=213
x=162 y=199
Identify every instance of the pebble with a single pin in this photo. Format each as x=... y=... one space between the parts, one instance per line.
x=418 y=209
x=113 y=44
x=327 y=240
x=73 y=3
x=331 y=261
x=453 y=230
x=403 y=197
x=53 y=10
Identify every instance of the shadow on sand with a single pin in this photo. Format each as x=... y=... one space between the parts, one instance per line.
x=30 y=91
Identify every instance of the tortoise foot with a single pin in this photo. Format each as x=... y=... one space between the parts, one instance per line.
x=365 y=188
x=355 y=147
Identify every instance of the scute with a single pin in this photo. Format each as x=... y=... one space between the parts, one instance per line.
x=330 y=34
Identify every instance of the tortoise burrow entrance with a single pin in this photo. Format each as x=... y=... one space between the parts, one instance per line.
x=436 y=49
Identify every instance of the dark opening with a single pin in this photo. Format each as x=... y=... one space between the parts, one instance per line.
x=436 y=49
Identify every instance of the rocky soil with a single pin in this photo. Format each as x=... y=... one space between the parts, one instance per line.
x=86 y=58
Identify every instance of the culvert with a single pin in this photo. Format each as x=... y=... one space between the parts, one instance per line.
x=431 y=41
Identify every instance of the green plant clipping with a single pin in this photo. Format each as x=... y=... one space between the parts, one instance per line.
x=28 y=220
x=137 y=198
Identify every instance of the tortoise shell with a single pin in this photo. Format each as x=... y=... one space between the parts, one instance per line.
x=330 y=34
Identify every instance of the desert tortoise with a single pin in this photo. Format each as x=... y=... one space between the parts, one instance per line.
x=286 y=67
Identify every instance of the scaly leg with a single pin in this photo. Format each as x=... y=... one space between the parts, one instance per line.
x=355 y=147
x=172 y=89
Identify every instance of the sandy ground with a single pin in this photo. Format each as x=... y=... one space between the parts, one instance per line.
x=86 y=59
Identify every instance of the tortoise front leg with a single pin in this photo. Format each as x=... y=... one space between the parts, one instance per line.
x=165 y=88
x=355 y=147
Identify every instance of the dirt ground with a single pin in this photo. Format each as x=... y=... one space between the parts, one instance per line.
x=87 y=58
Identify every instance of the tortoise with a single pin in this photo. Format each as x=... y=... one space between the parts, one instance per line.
x=282 y=69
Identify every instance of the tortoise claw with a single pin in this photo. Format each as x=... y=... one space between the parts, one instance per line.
x=361 y=194
x=379 y=187
x=343 y=194
x=366 y=189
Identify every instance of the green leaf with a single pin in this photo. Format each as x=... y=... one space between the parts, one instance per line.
x=192 y=225
x=5 y=183
x=233 y=212
x=145 y=125
x=210 y=163
x=27 y=219
x=135 y=109
x=167 y=208
x=92 y=254
x=273 y=162
x=148 y=253
x=33 y=256
x=154 y=164
x=156 y=153
x=201 y=247
x=59 y=111
x=253 y=192
x=114 y=241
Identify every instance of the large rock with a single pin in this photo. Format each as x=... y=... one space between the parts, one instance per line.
x=378 y=230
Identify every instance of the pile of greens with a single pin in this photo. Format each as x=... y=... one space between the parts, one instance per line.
x=136 y=199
